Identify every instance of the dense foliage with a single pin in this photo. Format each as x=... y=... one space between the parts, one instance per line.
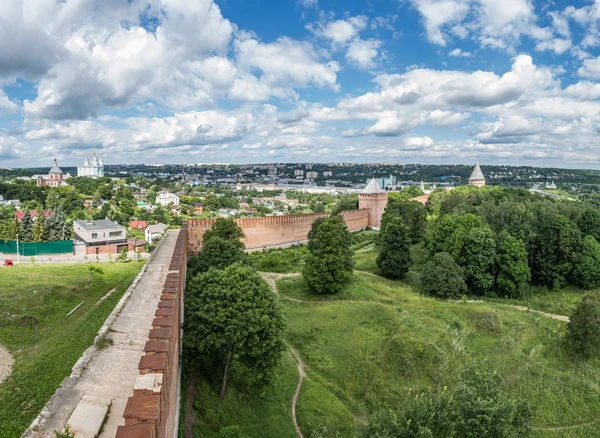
x=587 y=272
x=478 y=409
x=216 y=253
x=329 y=263
x=225 y=229
x=394 y=255
x=443 y=278
x=233 y=325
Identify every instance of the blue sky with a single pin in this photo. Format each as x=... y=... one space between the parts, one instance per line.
x=204 y=81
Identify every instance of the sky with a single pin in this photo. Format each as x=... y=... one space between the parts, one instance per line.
x=253 y=81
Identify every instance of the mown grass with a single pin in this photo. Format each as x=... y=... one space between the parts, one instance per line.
x=34 y=301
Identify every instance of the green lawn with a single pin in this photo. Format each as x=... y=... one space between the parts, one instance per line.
x=34 y=301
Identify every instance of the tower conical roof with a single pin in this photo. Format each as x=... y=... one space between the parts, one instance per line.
x=373 y=188
x=477 y=173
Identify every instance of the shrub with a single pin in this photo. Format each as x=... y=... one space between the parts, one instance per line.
x=225 y=229
x=123 y=255
x=443 y=278
x=94 y=268
x=479 y=408
x=583 y=331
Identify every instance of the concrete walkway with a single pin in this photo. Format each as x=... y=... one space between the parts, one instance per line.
x=112 y=372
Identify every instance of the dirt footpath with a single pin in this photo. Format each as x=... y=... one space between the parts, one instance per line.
x=6 y=363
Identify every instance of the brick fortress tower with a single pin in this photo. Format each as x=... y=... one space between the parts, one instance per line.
x=375 y=199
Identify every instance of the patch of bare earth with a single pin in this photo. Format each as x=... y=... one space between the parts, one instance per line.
x=6 y=363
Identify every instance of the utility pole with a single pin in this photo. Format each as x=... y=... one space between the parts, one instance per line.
x=18 y=259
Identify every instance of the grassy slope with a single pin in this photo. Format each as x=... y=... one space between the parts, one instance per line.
x=377 y=343
x=34 y=300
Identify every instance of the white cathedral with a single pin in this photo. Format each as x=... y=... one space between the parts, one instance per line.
x=93 y=168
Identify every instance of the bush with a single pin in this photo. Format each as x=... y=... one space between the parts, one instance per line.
x=479 y=408
x=583 y=331
x=96 y=269
x=443 y=278
x=123 y=255
x=225 y=229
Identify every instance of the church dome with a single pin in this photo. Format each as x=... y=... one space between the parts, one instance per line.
x=55 y=168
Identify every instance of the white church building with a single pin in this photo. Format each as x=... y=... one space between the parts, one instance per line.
x=93 y=168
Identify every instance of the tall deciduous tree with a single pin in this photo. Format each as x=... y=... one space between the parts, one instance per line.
x=394 y=249
x=225 y=229
x=216 y=253
x=587 y=272
x=329 y=261
x=477 y=258
x=412 y=213
x=234 y=318
x=512 y=270
x=589 y=223
x=554 y=250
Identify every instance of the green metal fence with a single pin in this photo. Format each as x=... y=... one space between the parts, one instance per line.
x=36 y=248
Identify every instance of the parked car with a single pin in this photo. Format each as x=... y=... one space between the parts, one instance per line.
x=8 y=263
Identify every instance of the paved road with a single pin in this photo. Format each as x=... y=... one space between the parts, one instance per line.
x=112 y=371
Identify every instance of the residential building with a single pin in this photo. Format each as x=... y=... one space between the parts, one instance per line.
x=198 y=207
x=166 y=198
x=93 y=168
x=102 y=237
x=154 y=231
x=298 y=172
x=2 y=201
x=312 y=175
x=138 y=225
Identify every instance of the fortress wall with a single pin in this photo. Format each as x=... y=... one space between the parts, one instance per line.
x=273 y=230
x=152 y=411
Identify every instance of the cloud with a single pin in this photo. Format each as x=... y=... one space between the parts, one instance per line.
x=590 y=68
x=342 y=31
x=363 y=52
x=458 y=53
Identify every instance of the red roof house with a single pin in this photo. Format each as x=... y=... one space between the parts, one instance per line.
x=140 y=225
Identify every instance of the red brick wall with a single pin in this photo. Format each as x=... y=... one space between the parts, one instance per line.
x=150 y=413
x=111 y=249
x=273 y=230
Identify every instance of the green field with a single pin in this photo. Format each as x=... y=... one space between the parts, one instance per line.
x=379 y=342
x=45 y=344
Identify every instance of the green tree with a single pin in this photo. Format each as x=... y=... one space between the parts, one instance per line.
x=225 y=229
x=26 y=227
x=554 y=250
x=587 y=272
x=589 y=223
x=478 y=409
x=329 y=261
x=412 y=213
x=394 y=248
x=8 y=229
x=216 y=253
x=583 y=330
x=347 y=201
x=39 y=230
x=443 y=278
x=233 y=324
x=477 y=259
x=449 y=232
x=512 y=270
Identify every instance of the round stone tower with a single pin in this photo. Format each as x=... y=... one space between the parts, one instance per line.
x=477 y=178
x=374 y=199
